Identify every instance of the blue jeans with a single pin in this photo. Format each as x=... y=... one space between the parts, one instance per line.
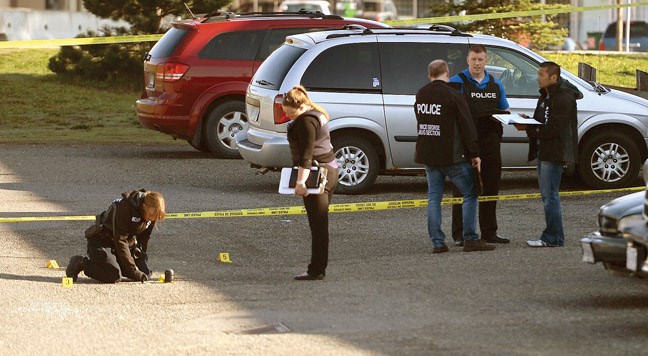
x=549 y=175
x=461 y=175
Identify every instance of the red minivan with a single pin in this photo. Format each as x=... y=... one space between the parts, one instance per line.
x=196 y=75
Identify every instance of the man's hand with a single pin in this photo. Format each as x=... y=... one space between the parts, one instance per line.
x=476 y=162
x=520 y=127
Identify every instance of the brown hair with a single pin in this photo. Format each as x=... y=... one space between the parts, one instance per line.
x=478 y=49
x=155 y=201
x=297 y=96
x=437 y=68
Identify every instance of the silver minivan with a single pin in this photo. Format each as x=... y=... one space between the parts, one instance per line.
x=367 y=81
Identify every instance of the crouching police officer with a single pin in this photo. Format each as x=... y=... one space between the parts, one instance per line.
x=118 y=240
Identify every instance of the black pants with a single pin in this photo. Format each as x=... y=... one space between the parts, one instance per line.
x=317 y=210
x=491 y=173
x=101 y=262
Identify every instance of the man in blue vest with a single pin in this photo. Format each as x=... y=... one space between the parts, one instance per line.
x=485 y=95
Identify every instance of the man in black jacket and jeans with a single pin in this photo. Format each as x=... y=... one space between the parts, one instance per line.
x=447 y=145
x=553 y=143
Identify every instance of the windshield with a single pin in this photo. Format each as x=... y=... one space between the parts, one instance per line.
x=274 y=69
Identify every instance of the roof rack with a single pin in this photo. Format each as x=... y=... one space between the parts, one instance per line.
x=223 y=15
x=354 y=26
x=434 y=29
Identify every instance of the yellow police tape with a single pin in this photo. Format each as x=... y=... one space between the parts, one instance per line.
x=334 y=208
x=503 y=15
x=429 y=20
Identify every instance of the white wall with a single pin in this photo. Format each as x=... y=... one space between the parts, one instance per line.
x=25 y=24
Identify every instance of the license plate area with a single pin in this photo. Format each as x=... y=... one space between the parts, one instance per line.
x=631 y=258
x=150 y=82
x=588 y=253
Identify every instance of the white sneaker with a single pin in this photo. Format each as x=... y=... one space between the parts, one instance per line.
x=539 y=243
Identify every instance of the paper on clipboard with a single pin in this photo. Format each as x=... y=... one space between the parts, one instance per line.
x=510 y=119
x=285 y=181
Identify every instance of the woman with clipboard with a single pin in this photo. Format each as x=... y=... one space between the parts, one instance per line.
x=310 y=141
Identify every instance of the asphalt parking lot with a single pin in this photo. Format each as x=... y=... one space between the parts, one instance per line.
x=384 y=293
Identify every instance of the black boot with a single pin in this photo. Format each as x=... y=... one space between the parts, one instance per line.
x=74 y=267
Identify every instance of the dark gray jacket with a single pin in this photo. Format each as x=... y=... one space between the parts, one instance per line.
x=556 y=140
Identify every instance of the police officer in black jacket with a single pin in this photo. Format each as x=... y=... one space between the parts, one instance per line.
x=485 y=95
x=447 y=144
x=118 y=240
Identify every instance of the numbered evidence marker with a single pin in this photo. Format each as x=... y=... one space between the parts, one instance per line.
x=67 y=282
x=224 y=257
x=52 y=264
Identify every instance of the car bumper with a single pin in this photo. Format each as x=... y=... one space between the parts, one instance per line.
x=611 y=251
x=162 y=117
x=636 y=237
x=273 y=152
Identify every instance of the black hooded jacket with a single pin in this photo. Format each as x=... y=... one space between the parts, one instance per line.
x=556 y=140
x=446 y=131
x=123 y=227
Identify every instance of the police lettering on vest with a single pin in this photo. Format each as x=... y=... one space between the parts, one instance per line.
x=428 y=109
x=429 y=130
x=483 y=95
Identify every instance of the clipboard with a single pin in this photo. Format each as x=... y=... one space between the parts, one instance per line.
x=509 y=119
x=285 y=186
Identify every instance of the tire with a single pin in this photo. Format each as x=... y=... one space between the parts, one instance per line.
x=359 y=164
x=223 y=123
x=608 y=161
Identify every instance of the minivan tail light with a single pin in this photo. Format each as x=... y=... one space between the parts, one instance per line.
x=278 y=112
x=170 y=72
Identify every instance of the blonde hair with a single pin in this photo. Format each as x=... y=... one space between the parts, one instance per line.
x=297 y=96
x=155 y=201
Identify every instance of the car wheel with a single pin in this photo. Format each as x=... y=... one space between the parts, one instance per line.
x=223 y=123
x=358 y=164
x=608 y=160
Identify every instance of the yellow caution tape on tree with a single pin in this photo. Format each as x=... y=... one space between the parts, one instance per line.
x=503 y=15
x=429 y=20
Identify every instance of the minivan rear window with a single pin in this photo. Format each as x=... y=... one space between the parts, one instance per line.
x=272 y=72
x=345 y=68
x=168 y=43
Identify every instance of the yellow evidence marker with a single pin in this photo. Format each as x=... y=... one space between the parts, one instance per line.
x=67 y=282
x=52 y=264
x=224 y=257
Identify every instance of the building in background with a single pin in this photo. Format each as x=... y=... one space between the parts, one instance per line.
x=47 y=19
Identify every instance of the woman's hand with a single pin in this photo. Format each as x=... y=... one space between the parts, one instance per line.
x=300 y=189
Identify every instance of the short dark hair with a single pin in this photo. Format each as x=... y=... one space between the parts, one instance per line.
x=551 y=67
x=437 y=68
x=478 y=49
